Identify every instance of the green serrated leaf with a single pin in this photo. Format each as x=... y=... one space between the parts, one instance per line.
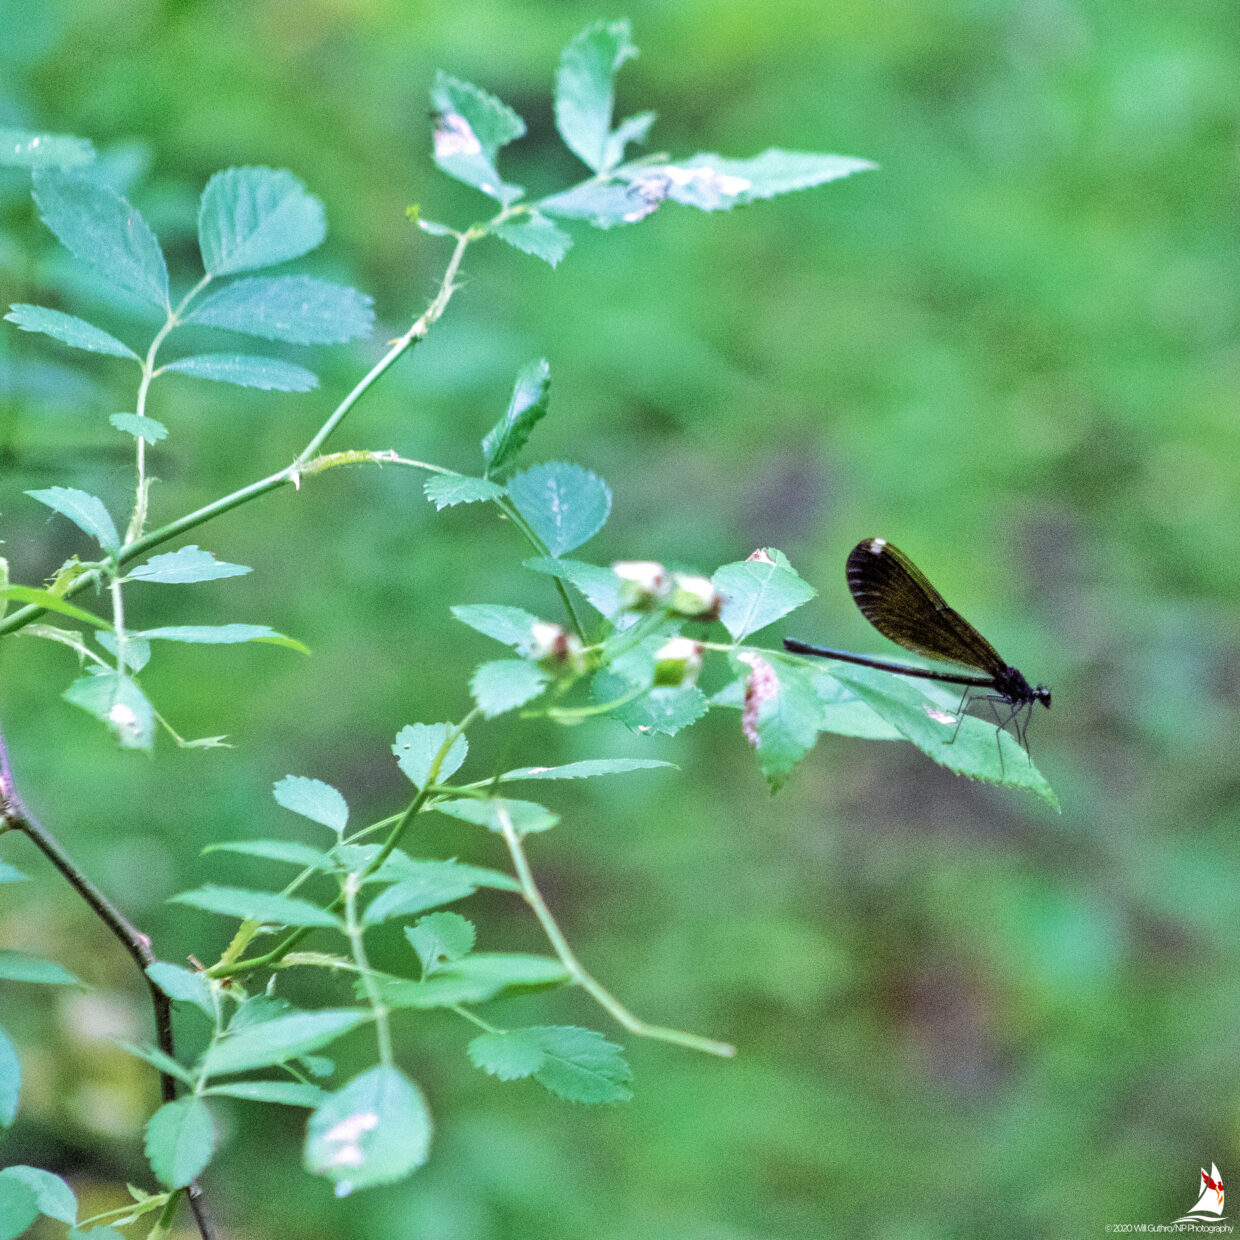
x=276 y=850
x=313 y=799
x=282 y=1093
x=279 y=1039
x=23 y=148
x=470 y=128
x=524 y=816
x=158 y=1059
x=102 y=230
x=536 y=235
x=608 y=204
x=85 y=511
x=586 y=769
x=921 y=718
x=54 y=1197
x=580 y=1065
x=509 y=1055
x=51 y=602
x=220 y=635
x=19 y=1207
x=137 y=651
x=10 y=1081
x=526 y=408
x=475 y=979
x=585 y=90
x=660 y=712
x=256 y=217
x=780 y=716
x=180 y=1139
x=188 y=564
x=246 y=370
x=418 y=893
x=376 y=1130
x=843 y=712
x=712 y=183
x=139 y=427
x=117 y=701
x=564 y=504
x=184 y=985
x=505 y=684
x=635 y=128
x=68 y=329
x=400 y=867
x=758 y=591
x=265 y=906
x=297 y=309
x=511 y=625
x=441 y=937
x=418 y=749
x=600 y=587
x=21 y=967
x=447 y=490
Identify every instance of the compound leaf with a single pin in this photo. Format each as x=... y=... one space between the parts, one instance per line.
x=68 y=329
x=102 y=230
x=256 y=217
x=297 y=309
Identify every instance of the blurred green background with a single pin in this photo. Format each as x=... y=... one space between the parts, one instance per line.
x=1012 y=351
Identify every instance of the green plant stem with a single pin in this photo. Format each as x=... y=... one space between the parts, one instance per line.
x=574 y=714
x=140 y=544
x=231 y=968
x=137 y=521
x=603 y=997
x=543 y=550
x=475 y=1019
x=118 y=624
x=16 y=817
x=432 y=314
x=353 y=927
x=156 y=1201
x=167 y=1214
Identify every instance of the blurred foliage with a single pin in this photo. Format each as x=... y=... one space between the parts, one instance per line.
x=1013 y=351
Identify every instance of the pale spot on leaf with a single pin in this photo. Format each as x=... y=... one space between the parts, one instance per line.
x=454 y=136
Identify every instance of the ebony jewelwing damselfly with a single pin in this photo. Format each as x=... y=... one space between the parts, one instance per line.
x=895 y=597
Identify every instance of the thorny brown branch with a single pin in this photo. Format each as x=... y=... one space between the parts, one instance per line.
x=16 y=817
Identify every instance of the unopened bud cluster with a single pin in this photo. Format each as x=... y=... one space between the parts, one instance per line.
x=646 y=585
x=556 y=650
x=677 y=663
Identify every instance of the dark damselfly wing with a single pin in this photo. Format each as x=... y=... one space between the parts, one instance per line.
x=895 y=597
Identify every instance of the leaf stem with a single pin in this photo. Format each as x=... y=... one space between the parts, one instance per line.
x=137 y=521
x=543 y=550
x=231 y=968
x=118 y=623
x=167 y=1214
x=603 y=997
x=353 y=927
x=475 y=1019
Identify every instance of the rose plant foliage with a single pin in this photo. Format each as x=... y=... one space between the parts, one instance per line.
x=629 y=641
